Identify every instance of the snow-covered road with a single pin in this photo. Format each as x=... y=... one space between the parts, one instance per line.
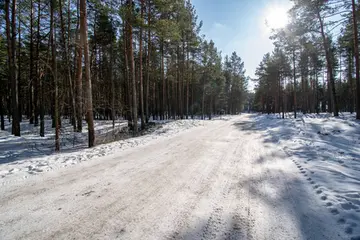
x=223 y=180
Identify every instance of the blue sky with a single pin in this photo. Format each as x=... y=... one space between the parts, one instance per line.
x=239 y=25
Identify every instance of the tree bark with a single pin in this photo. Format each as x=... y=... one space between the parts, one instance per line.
x=20 y=103
x=141 y=68
x=356 y=51
x=180 y=76
x=33 y=104
x=316 y=93
x=12 y=64
x=147 y=92
x=112 y=84
x=177 y=98
x=162 y=117
x=187 y=80
x=84 y=40
x=2 y=120
x=41 y=104
x=329 y=66
x=127 y=96
x=294 y=77
x=79 y=90
x=37 y=66
x=68 y=67
x=350 y=82
x=54 y=74
x=39 y=86
x=132 y=66
x=182 y=87
x=192 y=85
x=203 y=100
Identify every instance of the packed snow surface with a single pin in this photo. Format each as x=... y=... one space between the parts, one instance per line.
x=246 y=177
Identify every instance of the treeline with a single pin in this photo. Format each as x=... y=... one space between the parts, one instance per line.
x=315 y=64
x=110 y=59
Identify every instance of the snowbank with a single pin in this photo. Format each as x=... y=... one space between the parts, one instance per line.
x=326 y=151
x=21 y=157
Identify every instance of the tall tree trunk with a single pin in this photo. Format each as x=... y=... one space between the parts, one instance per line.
x=19 y=82
x=79 y=90
x=69 y=12
x=39 y=85
x=316 y=93
x=154 y=101
x=54 y=74
x=141 y=68
x=350 y=82
x=187 y=80
x=128 y=82
x=203 y=101
x=279 y=93
x=31 y=67
x=177 y=98
x=37 y=66
x=329 y=88
x=283 y=99
x=168 y=99
x=329 y=66
x=192 y=85
x=89 y=105
x=68 y=67
x=173 y=95
x=112 y=83
x=147 y=92
x=181 y=82
x=41 y=103
x=127 y=96
x=2 y=120
x=162 y=117
x=356 y=51
x=132 y=67
x=12 y=64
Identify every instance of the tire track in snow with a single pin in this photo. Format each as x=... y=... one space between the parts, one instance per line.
x=222 y=203
x=209 y=176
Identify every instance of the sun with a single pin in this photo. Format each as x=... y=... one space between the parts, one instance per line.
x=276 y=17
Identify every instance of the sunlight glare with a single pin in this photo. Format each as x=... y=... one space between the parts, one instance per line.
x=276 y=17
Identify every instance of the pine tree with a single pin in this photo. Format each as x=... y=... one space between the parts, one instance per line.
x=357 y=64
x=143 y=57
x=88 y=92
x=11 y=39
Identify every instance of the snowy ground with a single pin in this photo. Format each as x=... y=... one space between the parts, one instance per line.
x=30 y=154
x=247 y=177
x=326 y=150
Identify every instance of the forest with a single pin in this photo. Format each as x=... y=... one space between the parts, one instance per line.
x=134 y=119
x=111 y=59
x=315 y=64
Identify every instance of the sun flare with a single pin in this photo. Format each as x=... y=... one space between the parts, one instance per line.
x=276 y=17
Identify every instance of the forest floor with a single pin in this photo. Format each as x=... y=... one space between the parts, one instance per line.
x=243 y=177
